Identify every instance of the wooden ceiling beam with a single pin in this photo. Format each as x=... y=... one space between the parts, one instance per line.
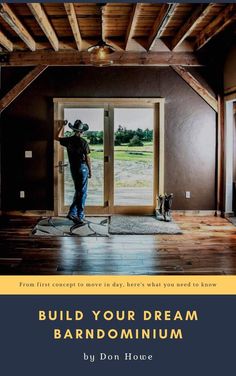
x=5 y=42
x=76 y=58
x=117 y=44
x=70 y=10
x=13 y=21
x=225 y=17
x=163 y=17
x=133 y=21
x=230 y=90
x=21 y=86
x=43 y=21
x=196 y=86
x=198 y=14
x=103 y=21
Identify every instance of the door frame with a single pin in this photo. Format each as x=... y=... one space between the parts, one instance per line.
x=158 y=149
x=228 y=204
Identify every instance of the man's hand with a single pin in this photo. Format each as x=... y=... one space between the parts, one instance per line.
x=60 y=130
x=89 y=175
x=61 y=124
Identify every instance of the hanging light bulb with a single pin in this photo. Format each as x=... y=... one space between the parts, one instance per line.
x=100 y=54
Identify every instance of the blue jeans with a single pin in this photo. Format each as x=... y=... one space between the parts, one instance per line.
x=80 y=178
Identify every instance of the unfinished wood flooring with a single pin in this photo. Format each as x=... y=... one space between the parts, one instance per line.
x=207 y=246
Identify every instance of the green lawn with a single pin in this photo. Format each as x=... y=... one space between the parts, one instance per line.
x=132 y=173
x=125 y=152
x=127 y=156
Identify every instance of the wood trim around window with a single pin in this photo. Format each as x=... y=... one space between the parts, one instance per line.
x=158 y=177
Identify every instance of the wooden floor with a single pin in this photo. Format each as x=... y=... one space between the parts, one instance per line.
x=207 y=246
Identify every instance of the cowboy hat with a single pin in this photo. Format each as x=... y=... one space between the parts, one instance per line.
x=78 y=126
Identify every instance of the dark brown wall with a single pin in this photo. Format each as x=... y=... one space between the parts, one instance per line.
x=27 y=124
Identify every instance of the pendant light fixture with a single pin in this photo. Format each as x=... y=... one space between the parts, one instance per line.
x=100 y=53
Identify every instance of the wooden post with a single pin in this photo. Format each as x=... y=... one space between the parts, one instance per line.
x=220 y=156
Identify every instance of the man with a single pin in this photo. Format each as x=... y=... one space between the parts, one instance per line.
x=80 y=166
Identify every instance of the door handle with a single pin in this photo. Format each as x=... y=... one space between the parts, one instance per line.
x=61 y=166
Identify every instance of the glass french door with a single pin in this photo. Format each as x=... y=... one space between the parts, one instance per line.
x=133 y=157
x=97 y=198
x=124 y=145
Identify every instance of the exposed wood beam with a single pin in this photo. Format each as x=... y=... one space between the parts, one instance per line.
x=76 y=58
x=225 y=17
x=103 y=9
x=198 y=14
x=13 y=21
x=133 y=21
x=5 y=42
x=65 y=45
x=43 y=21
x=230 y=90
x=21 y=86
x=45 y=45
x=163 y=17
x=196 y=86
x=70 y=10
x=103 y=21
x=117 y=44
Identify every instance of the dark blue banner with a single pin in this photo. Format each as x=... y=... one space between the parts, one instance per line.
x=183 y=335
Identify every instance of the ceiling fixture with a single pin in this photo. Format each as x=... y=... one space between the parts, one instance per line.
x=100 y=54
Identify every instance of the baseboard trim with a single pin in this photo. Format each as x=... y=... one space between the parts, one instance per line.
x=27 y=213
x=228 y=214
x=198 y=213
x=47 y=213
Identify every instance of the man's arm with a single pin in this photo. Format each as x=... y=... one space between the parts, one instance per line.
x=60 y=130
x=88 y=163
